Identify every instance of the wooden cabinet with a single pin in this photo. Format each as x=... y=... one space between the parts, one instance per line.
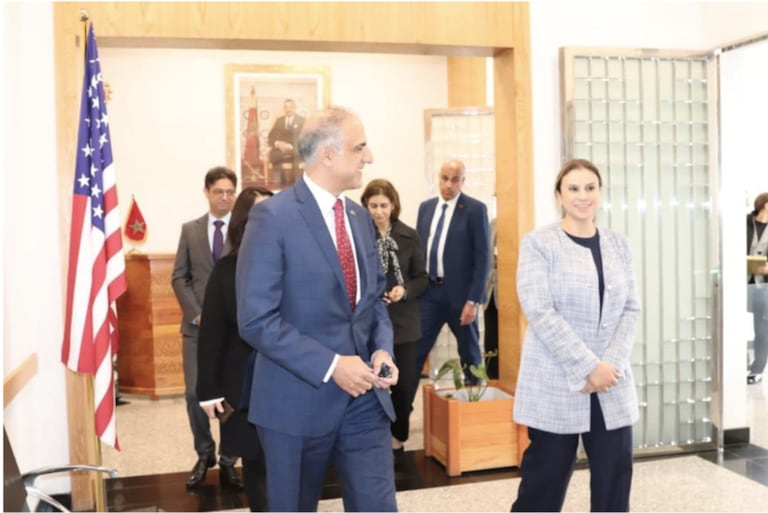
x=149 y=360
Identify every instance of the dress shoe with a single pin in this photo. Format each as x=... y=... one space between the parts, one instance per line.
x=754 y=379
x=199 y=471
x=229 y=477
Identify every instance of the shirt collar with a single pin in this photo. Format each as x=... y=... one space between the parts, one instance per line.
x=325 y=200
x=212 y=218
x=451 y=204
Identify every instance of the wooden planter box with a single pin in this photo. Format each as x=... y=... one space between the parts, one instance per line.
x=467 y=436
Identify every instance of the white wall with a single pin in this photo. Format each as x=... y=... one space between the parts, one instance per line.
x=660 y=25
x=744 y=107
x=167 y=122
x=36 y=420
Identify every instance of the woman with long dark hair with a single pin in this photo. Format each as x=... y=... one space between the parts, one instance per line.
x=224 y=360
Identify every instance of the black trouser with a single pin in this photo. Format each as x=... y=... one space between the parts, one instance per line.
x=407 y=384
x=491 y=339
x=548 y=463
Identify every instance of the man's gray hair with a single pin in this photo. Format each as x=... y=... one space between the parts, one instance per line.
x=323 y=127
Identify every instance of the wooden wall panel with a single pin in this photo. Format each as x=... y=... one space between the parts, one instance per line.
x=149 y=315
x=514 y=196
x=465 y=24
x=499 y=29
x=466 y=82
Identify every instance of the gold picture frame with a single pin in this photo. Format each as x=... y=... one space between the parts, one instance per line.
x=257 y=97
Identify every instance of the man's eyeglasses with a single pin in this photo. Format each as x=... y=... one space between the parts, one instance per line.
x=221 y=192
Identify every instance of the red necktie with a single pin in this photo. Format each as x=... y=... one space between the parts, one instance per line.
x=346 y=257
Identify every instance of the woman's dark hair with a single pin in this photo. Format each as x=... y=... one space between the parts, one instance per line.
x=760 y=202
x=240 y=212
x=572 y=165
x=385 y=188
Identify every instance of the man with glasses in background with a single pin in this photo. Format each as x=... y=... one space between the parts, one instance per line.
x=202 y=243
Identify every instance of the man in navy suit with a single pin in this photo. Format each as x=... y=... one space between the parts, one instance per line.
x=453 y=229
x=309 y=300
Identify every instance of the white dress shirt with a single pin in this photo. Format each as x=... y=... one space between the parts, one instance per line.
x=433 y=226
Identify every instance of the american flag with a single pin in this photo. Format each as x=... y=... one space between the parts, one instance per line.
x=96 y=265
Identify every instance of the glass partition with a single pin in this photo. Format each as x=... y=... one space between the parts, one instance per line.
x=646 y=120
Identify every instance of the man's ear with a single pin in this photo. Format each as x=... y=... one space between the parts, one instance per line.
x=327 y=154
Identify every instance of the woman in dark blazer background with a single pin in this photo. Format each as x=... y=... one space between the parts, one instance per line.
x=224 y=359
x=402 y=258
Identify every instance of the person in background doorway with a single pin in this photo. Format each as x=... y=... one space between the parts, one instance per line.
x=576 y=285
x=201 y=244
x=453 y=228
x=757 y=286
x=403 y=262
x=225 y=361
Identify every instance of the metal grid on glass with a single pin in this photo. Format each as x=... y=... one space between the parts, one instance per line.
x=644 y=122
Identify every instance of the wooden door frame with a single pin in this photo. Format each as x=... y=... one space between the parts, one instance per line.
x=483 y=29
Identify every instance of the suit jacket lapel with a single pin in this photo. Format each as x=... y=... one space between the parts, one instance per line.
x=202 y=232
x=429 y=213
x=310 y=211
x=358 y=225
x=458 y=213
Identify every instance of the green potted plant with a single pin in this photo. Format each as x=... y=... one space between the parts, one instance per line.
x=472 y=393
x=470 y=427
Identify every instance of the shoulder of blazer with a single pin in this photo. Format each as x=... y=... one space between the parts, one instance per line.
x=196 y=223
x=428 y=202
x=548 y=235
x=403 y=230
x=469 y=201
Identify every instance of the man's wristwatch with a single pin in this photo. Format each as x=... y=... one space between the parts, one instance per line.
x=471 y=303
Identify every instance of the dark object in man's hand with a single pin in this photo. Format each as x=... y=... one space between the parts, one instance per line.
x=385 y=371
x=223 y=416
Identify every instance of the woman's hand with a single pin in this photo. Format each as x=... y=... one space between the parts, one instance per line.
x=211 y=409
x=602 y=379
x=397 y=293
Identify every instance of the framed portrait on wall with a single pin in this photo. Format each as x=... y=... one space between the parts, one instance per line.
x=266 y=106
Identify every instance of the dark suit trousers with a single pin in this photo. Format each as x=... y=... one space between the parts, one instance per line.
x=360 y=448
x=548 y=463
x=491 y=318
x=436 y=310
x=403 y=393
x=199 y=423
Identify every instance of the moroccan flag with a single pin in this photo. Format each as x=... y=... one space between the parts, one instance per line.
x=96 y=274
x=252 y=167
x=135 y=227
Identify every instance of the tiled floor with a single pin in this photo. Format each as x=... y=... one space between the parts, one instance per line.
x=157 y=456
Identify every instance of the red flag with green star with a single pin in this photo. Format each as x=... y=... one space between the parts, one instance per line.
x=135 y=227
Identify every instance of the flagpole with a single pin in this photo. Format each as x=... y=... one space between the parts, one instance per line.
x=97 y=481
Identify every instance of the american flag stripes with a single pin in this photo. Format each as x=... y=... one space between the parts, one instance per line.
x=96 y=274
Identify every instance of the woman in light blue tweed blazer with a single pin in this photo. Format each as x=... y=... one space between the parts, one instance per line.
x=577 y=288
